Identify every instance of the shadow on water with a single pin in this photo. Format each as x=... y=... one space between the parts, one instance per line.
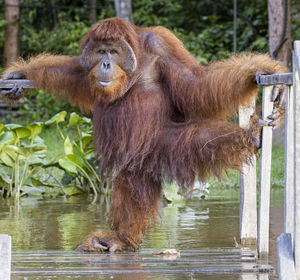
x=60 y=224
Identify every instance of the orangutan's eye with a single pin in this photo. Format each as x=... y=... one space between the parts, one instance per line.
x=114 y=52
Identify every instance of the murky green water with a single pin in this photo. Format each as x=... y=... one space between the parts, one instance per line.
x=60 y=224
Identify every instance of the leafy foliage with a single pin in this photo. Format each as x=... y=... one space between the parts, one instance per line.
x=23 y=161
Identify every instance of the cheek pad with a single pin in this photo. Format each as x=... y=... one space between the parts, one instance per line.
x=88 y=59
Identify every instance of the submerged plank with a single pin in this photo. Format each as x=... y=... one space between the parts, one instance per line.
x=216 y=261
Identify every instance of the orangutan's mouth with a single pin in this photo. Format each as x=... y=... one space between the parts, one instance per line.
x=104 y=84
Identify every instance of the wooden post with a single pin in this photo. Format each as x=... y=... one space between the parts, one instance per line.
x=248 y=206
x=286 y=268
x=5 y=256
x=265 y=175
x=11 y=42
x=296 y=72
x=289 y=163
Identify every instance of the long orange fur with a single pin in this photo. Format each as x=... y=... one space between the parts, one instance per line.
x=169 y=124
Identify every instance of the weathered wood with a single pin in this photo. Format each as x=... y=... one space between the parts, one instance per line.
x=248 y=204
x=296 y=72
x=11 y=83
x=280 y=30
x=11 y=42
x=86 y=266
x=5 y=256
x=289 y=163
x=286 y=266
x=275 y=79
x=265 y=174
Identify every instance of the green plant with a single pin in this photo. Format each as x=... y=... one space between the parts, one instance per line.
x=24 y=165
x=79 y=154
x=22 y=154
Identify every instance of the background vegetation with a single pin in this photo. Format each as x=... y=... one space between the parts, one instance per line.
x=206 y=28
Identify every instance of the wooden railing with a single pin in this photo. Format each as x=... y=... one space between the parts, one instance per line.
x=288 y=244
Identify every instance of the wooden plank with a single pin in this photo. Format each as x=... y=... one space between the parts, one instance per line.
x=275 y=79
x=289 y=163
x=248 y=203
x=20 y=83
x=296 y=71
x=54 y=263
x=265 y=174
x=5 y=256
x=286 y=267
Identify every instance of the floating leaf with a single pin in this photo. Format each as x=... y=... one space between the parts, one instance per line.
x=71 y=190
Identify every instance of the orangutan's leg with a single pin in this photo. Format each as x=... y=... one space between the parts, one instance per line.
x=134 y=202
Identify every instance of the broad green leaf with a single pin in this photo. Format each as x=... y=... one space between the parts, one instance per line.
x=68 y=165
x=35 y=129
x=60 y=117
x=86 y=140
x=37 y=159
x=4 y=176
x=39 y=183
x=37 y=144
x=6 y=137
x=71 y=190
x=75 y=119
x=75 y=159
x=22 y=132
x=13 y=152
x=68 y=147
x=12 y=126
x=1 y=127
x=32 y=191
x=6 y=159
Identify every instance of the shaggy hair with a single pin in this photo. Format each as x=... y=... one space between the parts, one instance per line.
x=169 y=124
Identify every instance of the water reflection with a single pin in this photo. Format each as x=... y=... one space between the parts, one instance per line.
x=60 y=224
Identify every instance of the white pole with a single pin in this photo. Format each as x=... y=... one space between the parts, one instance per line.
x=289 y=163
x=265 y=175
x=5 y=256
x=296 y=81
x=248 y=206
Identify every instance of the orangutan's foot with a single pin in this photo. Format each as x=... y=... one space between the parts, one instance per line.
x=102 y=241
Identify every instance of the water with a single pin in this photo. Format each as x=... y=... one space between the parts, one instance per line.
x=60 y=224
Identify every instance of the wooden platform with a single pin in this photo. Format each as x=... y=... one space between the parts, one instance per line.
x=56 y=264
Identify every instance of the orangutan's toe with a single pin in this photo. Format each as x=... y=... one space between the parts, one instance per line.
x=105 y=242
